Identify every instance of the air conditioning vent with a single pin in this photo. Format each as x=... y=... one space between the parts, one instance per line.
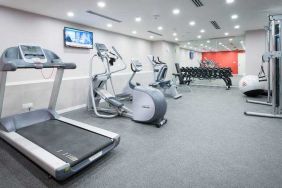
x=198 y=3
x=215 y=25
x=103 y=16
x=152 y=32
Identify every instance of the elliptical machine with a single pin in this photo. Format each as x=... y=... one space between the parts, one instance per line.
x=148 y=104
x=160 y=71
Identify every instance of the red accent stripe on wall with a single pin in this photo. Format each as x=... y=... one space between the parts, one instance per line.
x=223 y=59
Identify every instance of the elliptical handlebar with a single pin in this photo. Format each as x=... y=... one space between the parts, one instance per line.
x=108 y=58
x=121 y=59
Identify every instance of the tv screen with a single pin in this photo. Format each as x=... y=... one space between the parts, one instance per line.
x=78 y=38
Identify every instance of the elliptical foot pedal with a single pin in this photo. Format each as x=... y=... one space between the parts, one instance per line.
x=177 y=96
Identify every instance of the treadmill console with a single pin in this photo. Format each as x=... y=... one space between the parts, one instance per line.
x=32 y=54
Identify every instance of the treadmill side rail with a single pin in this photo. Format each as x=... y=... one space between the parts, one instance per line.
x=97 y=130
x=43 y=158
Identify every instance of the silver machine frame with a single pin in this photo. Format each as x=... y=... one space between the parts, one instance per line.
x=274 y=56
x=267 y=60
x=104 y=76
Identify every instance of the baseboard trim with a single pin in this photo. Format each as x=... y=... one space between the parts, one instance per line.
x=65 y=110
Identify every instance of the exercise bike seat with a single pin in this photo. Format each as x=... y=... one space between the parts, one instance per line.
x=114 y=102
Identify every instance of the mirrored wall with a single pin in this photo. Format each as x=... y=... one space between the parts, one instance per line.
x=215 y=45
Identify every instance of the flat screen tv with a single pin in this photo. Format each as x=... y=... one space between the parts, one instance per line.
x=78 y=38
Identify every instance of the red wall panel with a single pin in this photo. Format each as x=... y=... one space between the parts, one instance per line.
x=223 y=59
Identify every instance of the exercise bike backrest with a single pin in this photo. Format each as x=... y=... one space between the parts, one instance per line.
x=160 y=69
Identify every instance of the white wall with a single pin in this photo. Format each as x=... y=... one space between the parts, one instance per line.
x=185 y=61
x=28 y=85
x=255 y=48
x=242 y=64
x=168 y=53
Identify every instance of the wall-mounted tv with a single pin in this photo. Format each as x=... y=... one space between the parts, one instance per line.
x=77 y=38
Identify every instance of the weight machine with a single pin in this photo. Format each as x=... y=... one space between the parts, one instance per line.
x=274 y=56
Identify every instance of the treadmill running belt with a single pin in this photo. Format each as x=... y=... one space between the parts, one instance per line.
x=69 y=143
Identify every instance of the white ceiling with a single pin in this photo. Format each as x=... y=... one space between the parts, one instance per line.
x=252 y=15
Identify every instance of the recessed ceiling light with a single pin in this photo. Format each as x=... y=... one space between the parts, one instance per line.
x=151 y=37
x=199 y=36
x=202 y=31
x=134 y=32
x=237 y=26
x=189 y=43
x=160 y=28
x=208 y=41
x=241 y=41
x=109 y=25
x=176 y=11
x=101 y=4
x=138 y=19
x=70 y=14
x=230 y=39
x=174 y=34
x=220 y=43
x=229 y=1
x=202 y=44
x=176 y=39
x=234 y=16
x=226 y=34
x=192 y=23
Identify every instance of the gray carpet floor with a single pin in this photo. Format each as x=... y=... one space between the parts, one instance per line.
x=208 y=142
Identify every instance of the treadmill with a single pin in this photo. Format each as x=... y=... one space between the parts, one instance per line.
x=60 y=146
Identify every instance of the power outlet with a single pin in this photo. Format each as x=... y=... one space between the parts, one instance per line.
x=27 y=106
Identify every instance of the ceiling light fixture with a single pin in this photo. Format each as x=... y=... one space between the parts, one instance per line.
x=109 y=25
x=199 y=36
x=237 y=27
x=70 y=14
x=138 y=19
x=202 y=31
x=208 y=41
x=226 y=34
x=134 y=32
x=230 y=40
x=176 y=39
x=174 y=34
x=176 y=11
x=234 y=16
x=151 y=37
x=192 y=23
x=189 y=43
x=101 y=4
x=160 y=28
x=229 y=1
